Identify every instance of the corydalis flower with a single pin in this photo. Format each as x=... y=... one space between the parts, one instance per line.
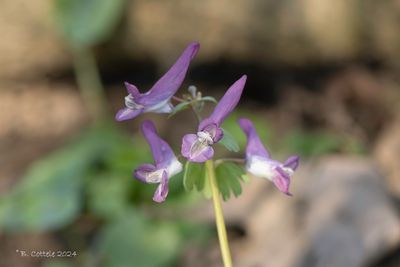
x=198 y=147
x=166 y=164
x=260 y=164
x=157 y=99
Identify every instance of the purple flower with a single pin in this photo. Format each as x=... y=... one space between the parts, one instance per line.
x=260 y=164
x=166 y=164
x=198 y=147
x=157 y=99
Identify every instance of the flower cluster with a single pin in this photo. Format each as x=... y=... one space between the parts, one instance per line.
x=197 y=147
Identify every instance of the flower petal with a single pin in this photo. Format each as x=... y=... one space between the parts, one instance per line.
x=195 y=151
x=254 y=145
x=170 y=82
x=143 y=171
x=162 y=152
x=164 y=108
x=226 y=105
x=127 y=114
x=187 y=142
x=162 y=190
x=292 y=162
x=132 y=89
x=282 y=181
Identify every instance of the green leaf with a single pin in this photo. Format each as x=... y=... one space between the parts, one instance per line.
x=234 y=184
x=209 y=98
x=179 y=107
x=228 y=177
x=85 y=23
x=194 y=176
x=207 y=187
x=188 y=178
x=49 y=195
x=135 y=241
x=229 y=142
x=201 y=179
x=108 y=196
x=125 y=153
x=223 y=186
x=245 y=178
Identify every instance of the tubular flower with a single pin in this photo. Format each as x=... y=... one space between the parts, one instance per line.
x=166 y=164
x=260 y=164
x=157 y=99
x=198 y=147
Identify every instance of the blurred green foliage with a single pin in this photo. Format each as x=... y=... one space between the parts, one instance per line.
x=315 y=143
x=85 y=23
x=135 y=241
x=305 y=143
x=92 y=177
x=108 y=196
x=48 y=197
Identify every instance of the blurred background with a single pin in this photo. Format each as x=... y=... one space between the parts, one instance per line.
x=323 y=83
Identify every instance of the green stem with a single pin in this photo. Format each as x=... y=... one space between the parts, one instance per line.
x=178 y=99
x=197 y=114
x=219 y=216
x=89 y=82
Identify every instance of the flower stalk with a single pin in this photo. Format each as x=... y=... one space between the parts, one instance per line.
x=219 y=216
x=89 y=83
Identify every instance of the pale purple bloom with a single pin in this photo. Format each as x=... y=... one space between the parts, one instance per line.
x=198 y=147
x=260 y=164
x=166 y=164
x=157 y=99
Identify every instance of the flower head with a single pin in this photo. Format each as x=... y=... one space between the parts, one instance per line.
x=260 y=164
x=157 y=99
x=198 y=147
x=166 y=164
